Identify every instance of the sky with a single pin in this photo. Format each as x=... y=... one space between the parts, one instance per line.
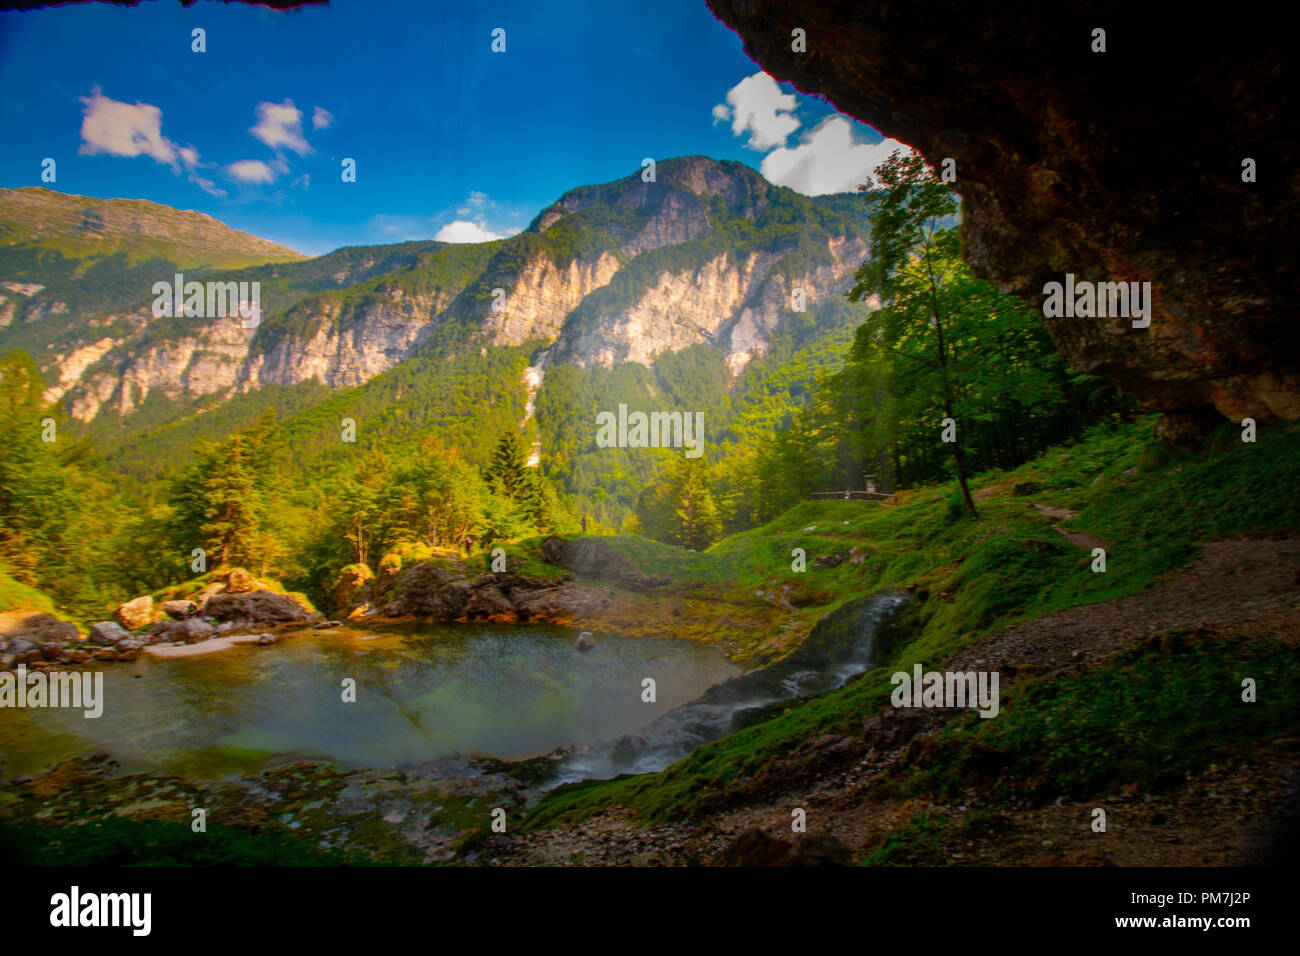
x=451 y=139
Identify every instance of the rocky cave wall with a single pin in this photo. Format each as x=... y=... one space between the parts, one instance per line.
x=1116 y=165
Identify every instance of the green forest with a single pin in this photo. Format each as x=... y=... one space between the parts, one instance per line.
x=297 y=483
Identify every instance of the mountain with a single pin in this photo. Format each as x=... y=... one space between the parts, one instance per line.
x=708 y=254
x=80 y=227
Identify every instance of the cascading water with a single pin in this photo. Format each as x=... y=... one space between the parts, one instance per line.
x=842 y=644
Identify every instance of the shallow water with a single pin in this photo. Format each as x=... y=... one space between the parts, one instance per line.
x=424 y=692
x=826 y=660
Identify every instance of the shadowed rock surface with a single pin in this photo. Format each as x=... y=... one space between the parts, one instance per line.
x=1082 y=162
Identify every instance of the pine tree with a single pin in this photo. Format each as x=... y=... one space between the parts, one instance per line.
x=507 y=473
x=697 y=523
x=229 y=504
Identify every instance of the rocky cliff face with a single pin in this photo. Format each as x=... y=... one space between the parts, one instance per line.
x=1118 y=165
x=583 y=283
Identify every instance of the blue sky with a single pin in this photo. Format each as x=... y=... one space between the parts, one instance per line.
x=450 y=138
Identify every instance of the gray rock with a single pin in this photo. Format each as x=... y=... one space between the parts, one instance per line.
x=108 y=634
x=23 y=651
x=189 y=631
x=257 y=609
x=180 y=610
x=192 y=630
x=585 y=641
x=41 y=629
x=266 y=639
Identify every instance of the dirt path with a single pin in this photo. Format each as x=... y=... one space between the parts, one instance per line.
x=1076 y=538
x=1247 y=587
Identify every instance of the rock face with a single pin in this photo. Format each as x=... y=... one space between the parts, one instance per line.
x=436 y=593
x=596 y=559
x=350 y=581
x=1074 y=161
x=618 y=272
x=255 y=609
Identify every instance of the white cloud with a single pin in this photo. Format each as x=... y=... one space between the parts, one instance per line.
x=476 y=202
x=279 y=125
x=721 y=113
x=461 y=230
x=757 y=106
x=303 y=181
x=120 y=129
x=321 y=118
x=189 y=156
x=827 y=159
x=250 y=171
x=208 y=186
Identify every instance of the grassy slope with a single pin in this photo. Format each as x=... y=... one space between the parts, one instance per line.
x=16 y=596
x=972 y=578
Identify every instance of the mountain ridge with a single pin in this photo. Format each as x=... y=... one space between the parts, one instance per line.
x=622 y=271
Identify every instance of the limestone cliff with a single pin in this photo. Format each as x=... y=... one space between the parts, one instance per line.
x=710 y=252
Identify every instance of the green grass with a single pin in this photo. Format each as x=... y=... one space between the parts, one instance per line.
x=1153 y=715
x=970 y=578
x=119 y=842
x=16 y=596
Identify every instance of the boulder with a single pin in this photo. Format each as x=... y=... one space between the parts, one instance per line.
x=41 y=629
x=180 y=610
x=23 y=651
x=107 y=634
x=585 y=641
x=239 y=581
x=189 y=631
x=594 y=558
x=257 y=609
x=265 y=639
x=325 y=625
x=135 y=613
